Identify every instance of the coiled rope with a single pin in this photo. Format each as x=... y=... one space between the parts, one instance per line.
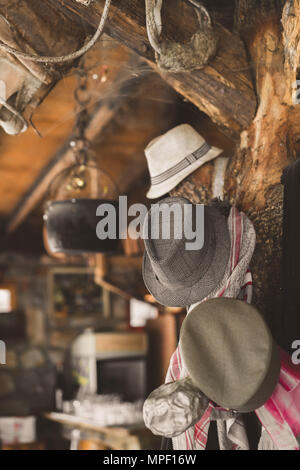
x=63 y=58
x=177 y=57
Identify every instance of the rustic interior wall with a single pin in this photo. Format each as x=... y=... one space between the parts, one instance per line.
x=36 y=348
x=28 y=378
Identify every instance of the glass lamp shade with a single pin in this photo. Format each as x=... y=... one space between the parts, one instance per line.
x=70 y=211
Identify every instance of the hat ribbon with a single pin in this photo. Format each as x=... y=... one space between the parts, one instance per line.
x=187 y=161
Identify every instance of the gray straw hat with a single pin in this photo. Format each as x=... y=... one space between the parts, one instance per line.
x=174 y=275
x=230 y=354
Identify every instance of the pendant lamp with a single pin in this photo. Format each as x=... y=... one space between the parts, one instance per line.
x=74 y=196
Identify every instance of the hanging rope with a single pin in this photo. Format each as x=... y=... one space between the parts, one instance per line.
x=82 y=98
x=153 y=23
x=176 y=57
x=64 y=58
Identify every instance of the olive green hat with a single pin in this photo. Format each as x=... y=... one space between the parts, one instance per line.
x=230 y=354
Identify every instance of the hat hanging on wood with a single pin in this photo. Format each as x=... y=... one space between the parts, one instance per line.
x=176 y=57
x=174 y=155
x=230 y=354
x=177 y=276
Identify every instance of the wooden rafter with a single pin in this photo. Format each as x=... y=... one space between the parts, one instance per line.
x=224 y=92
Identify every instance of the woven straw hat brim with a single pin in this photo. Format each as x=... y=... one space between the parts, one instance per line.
x=185 y=296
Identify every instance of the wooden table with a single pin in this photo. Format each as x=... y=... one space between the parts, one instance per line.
x=116 y=438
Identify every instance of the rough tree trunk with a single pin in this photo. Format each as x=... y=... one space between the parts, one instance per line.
x=269 y=144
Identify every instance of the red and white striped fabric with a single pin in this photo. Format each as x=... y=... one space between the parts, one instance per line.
x=280 y=415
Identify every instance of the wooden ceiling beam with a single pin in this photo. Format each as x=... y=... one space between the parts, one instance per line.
x=223 y=89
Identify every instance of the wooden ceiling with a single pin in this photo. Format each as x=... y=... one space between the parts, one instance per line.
x=130 y=104
x=22 y=158
x=118 y=101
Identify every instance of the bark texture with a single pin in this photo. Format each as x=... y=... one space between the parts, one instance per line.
x=270 y=31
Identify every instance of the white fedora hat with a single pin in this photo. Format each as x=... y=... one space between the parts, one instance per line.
x=172 y=156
